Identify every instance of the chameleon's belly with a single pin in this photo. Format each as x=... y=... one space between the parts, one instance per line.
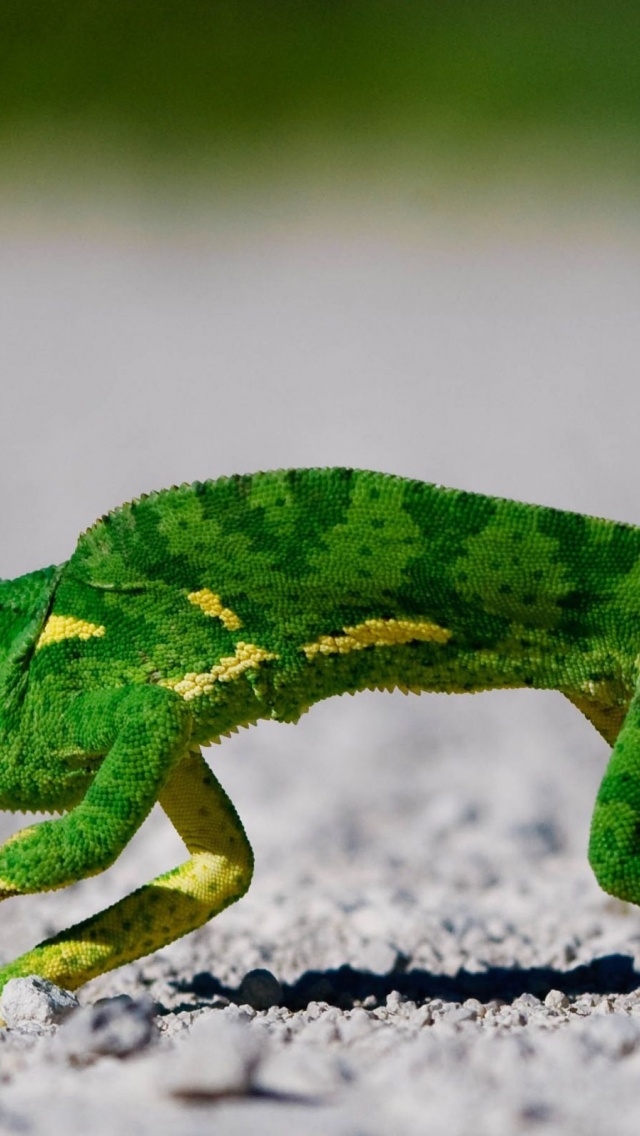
x=283 y=692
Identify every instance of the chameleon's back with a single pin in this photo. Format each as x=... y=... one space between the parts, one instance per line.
x=465 y=591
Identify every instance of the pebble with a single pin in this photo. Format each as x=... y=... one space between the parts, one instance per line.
x=356 y=1024
x=556 y=1000
x=614 y=1036
x=322 y=1031
x=260 y=989
x=221 y=1057
x=315 y=1010
x=114 y=1027
x=474 y=1004
x=35 y=1001
x=459 y=1014
x=297 y=1071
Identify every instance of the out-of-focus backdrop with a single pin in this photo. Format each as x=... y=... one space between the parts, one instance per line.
x=250 y=91
x=396 y=235
x=237 y=235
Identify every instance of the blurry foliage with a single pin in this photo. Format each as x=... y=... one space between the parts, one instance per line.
x=194 y=77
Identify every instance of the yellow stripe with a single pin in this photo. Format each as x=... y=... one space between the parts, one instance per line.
x=247 y=657
x=60 y=627
x=212 y=605
x=377 y=633
x=201 y=876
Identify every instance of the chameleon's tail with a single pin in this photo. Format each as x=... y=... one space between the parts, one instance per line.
x=614 y=849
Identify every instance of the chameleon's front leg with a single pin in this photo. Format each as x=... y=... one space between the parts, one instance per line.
x=614 y=848
x=217 y=873
x=143 y=732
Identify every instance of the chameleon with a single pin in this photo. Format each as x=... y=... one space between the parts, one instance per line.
x=195 y=610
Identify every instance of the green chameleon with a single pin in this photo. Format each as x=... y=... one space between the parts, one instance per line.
x=208 y=606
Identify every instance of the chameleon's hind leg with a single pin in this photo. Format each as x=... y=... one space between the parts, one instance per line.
x=614 y=848
x=217 y=873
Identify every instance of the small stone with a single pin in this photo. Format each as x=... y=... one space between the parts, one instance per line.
x=422 y=1016
x=449 y=1007
x=276 y=1014
x=527 y=1001
x=173 y=1026
x=556 y=1000
x=511 y=1016
x=219 y=1058
x=614 y=1036
x=358 y=1023
x=458 y=1014
x=241 y=1014
x=315 y=1010
x=322 y=1031
x=494 y=1005
x=260 y=988
x=475 y=1004
x=112 y=1026
x=295 y=1071
x=248 y=1011
x=35 y=1000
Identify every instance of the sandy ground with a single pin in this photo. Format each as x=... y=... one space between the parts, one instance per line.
x=441 y=958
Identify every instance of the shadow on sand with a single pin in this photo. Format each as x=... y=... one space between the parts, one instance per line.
x=345 y=987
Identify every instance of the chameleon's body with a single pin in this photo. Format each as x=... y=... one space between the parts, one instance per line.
x=204 y=607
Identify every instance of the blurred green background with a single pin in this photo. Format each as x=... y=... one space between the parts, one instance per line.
x=237 y=88
x=240 y=234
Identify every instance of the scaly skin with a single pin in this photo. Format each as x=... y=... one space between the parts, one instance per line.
x=204 y=607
